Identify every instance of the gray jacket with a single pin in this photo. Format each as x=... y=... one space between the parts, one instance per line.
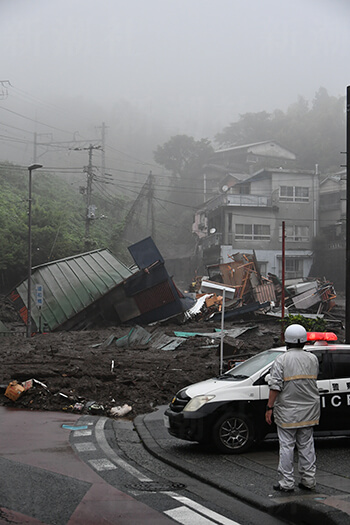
x=294 y=375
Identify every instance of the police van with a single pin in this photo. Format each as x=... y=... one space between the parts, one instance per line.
x=228 y=411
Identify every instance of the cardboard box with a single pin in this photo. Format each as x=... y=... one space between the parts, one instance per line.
x=14 y=391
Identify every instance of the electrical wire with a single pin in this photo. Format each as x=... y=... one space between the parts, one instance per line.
x=33 y=120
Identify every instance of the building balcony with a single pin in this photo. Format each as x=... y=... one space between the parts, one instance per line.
x=240 y=200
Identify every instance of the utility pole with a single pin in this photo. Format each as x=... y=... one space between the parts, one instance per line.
x=150 y=211
x=103 y=141
x=90 y=212
x=90 y=208
x=63 y=144
x=347 y=263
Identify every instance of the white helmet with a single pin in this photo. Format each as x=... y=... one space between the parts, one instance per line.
x=295 y=333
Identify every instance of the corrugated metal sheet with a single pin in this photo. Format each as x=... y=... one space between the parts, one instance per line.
x=140 y=336
x=265 y=292
x=307 y=299
x=70 y=285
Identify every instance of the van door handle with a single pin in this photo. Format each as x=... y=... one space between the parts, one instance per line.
x=323 y=391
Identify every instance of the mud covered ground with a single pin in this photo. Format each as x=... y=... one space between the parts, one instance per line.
x=76 y=367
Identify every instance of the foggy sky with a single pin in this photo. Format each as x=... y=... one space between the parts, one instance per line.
x=194 y=65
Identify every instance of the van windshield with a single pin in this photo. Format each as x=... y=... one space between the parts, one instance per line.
x=253 y=365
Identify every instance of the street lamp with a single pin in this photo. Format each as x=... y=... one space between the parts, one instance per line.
x=29 y=299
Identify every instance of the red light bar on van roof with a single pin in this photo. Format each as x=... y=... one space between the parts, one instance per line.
x=321 y=336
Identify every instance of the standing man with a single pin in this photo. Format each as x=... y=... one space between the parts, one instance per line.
x=295 y=403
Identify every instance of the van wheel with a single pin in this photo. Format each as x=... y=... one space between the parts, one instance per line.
x=233 y=433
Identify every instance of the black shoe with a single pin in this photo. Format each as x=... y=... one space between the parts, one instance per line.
x=304 y=487
x=281 y=489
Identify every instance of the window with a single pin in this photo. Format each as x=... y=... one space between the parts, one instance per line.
x=295 y=233
x=286 y=193
x=294 y=194
x=300 y=233
x=244 y=231
x=253 y=232
x=301 y=194
x=293 y=268
x=244 y=188
x=261 y=231
x=341 y=364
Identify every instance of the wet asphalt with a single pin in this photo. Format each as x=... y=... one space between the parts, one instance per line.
x=250 y=476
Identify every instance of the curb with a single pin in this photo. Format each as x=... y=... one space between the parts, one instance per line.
x=293 y=511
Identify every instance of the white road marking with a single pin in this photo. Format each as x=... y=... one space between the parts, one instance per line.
x=102 y=464
x=187 y=516
x=85 y=447
x=80 y=433
x=183 y=514
x=203 y=510
x=102 y=442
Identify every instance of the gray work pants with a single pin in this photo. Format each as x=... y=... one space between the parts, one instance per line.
x=304 y=440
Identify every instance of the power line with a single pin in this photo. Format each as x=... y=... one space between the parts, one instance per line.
x=144 y=163
x=32 y=120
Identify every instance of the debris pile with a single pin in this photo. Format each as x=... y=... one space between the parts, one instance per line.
x=92 y=372
x=246 y=291
x=125 y=369
x=30 y=390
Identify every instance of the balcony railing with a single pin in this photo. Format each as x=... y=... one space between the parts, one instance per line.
x=240 y=200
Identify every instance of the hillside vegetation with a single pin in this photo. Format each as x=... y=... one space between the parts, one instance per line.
x=58 y=222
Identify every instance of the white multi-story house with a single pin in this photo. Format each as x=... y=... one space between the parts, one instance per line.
x=249 y=214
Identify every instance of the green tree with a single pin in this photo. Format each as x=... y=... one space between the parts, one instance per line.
x=314 y=132
x=58 y=222
x=251 y=127
x=183 y=156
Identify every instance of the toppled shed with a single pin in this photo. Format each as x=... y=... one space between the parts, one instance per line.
x=150 y=294
x=71 y=288
x=93 y=287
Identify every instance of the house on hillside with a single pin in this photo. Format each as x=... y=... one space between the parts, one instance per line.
x=237 y=163
x=254 y=156
x=248 y=218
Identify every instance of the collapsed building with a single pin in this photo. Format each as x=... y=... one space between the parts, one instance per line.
x=85 y=289
x=246 y=290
